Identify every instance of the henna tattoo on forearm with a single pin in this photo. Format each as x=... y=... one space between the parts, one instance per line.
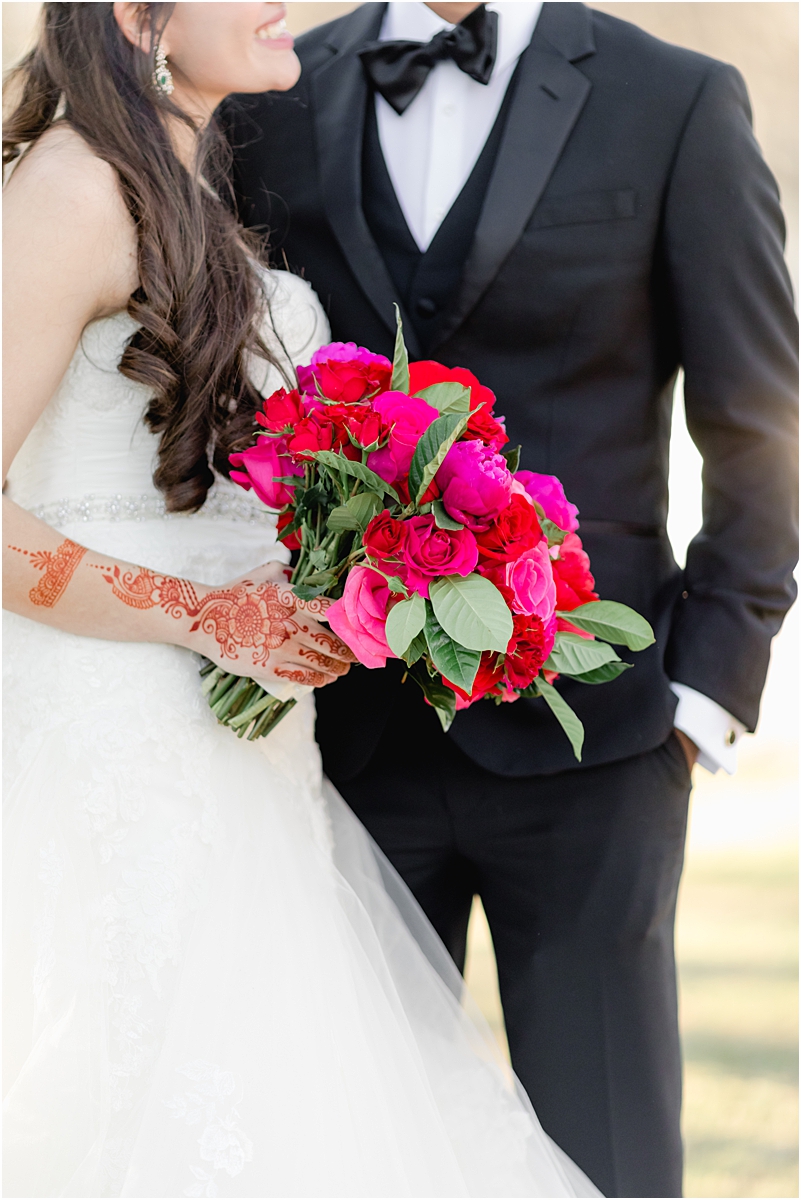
x=59 y=566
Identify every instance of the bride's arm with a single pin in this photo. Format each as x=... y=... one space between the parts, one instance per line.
x=69 y=256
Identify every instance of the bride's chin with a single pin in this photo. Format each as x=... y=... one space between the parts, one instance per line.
x=282 y=73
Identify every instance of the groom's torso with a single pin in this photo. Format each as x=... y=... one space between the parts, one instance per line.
x=546 y=280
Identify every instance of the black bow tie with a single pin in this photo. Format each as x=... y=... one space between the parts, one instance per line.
x=398 y=70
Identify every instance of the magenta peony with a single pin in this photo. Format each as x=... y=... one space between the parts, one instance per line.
x=430 y=552
x=409 y=417
x=360 y=616
x=262 y=465
x=476 y=484
x=530 y=577
x=549 y=493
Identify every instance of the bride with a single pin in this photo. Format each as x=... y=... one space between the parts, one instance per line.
x=214 y=984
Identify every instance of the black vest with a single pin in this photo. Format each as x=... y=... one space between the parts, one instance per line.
x=427 y=281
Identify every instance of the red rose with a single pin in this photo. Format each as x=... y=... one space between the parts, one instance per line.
x=529 y=647
x=515 y=530
x=291 y=541
x=351 y=381
x=423 y=374
x=486 y=428
x=282 y=410
x=572 y=576
x=365 y=426
x=312 y=433
x=383 y=540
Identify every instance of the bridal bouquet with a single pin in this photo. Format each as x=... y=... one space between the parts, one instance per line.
x=395 y=485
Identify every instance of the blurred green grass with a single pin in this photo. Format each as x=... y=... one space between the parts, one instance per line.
x=737 y=952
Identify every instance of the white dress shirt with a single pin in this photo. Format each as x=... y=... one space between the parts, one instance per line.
x=430 y=150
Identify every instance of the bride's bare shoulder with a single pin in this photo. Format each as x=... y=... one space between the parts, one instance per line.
x=61 y=190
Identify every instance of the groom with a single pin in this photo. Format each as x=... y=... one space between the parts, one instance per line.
x=572 y=210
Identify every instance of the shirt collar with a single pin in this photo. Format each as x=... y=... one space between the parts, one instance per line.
x=415 y=22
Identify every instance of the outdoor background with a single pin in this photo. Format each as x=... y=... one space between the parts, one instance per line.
x=737 y=940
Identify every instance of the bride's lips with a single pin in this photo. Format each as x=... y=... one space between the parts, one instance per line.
x=275 y=35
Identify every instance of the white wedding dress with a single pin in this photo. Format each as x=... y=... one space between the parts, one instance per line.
x=211 y=987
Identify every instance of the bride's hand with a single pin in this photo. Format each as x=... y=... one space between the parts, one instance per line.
x=257 y=626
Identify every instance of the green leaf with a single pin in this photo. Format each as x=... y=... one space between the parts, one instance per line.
x=355 y=513
x=356 y=470
x=472 y=611
x=304 y=591
x=615 y=622
x=440 y=697
x=404 y=622
x=456 y=663
x=320 y=577
x=434 y=444
x=512 y=457
x=553 y=533
x=395 y=584
x=319 y=559
x=441 y=517
x=448 y=397
x=564 y=715
x=603 y=674
x=575 y=655
x=400 y=359
x=416 y=649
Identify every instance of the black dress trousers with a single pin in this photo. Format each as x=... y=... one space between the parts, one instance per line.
x=578 y=873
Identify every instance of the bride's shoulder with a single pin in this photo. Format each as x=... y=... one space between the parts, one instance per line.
x=62 y=200
x=296 y=316
x=61 y=170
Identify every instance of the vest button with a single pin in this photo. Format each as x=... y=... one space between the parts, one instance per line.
x=425 y=307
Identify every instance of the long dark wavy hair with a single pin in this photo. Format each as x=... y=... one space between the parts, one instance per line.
x=199 y=301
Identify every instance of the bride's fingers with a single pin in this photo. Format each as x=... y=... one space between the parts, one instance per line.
x=334 y=665
x=305 y=675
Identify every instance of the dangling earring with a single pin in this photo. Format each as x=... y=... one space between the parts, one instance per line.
x=162 y=75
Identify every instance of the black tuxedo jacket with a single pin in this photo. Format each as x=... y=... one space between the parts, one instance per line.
x=630 y=227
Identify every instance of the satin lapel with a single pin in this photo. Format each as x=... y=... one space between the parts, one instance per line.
x=339 y=96
x=549 y=96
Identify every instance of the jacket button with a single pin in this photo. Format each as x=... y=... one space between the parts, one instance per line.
x=425 y=307
x=685 y=595
x=730 y=738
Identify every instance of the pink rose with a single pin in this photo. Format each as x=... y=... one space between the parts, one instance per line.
x=530 y=577
x=262 y=465
x=409 y=417
x=548 y=492
x=430 y=552
x=360 y=617
x=476 y=484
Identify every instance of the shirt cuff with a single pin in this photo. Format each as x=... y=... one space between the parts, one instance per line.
x=714 y=731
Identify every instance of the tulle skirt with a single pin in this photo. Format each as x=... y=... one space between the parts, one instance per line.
x=215 y=984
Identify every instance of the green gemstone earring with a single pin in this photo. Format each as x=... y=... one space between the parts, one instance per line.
x=162 y=75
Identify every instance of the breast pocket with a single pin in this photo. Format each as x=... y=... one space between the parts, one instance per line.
x=585 y=208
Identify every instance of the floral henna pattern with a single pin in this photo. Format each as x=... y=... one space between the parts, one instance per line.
x=245 y=617
x=59 y=566
x=298 y=675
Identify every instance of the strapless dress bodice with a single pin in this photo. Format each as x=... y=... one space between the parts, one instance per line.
x=86 y=467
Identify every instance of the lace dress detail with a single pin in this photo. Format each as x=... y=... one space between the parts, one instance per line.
x=208 y=990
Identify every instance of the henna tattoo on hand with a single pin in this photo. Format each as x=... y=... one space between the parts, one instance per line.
x=259 y=617
x=333 y=666
x=334 y=645
x=298 y=675
x=59 y=566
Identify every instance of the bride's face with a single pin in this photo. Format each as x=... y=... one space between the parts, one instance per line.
x=214 y=49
